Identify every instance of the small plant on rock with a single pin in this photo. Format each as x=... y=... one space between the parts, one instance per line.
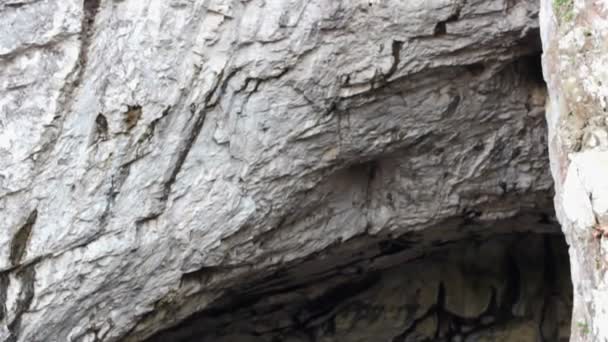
x=584 y=327
x=564 y=9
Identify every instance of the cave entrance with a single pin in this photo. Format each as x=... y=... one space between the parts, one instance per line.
x=481 y=274
x=510 y=287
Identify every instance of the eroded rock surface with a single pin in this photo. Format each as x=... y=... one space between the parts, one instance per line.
x=155 y=155
x=575 y=60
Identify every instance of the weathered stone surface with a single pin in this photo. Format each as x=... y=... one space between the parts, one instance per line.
x=155 y=156
x=574 y=36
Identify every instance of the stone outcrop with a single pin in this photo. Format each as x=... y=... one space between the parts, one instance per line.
x=160 y=158
x=574 y=35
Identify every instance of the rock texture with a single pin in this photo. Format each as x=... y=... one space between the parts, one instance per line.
x=574 y=35
x=157 y=157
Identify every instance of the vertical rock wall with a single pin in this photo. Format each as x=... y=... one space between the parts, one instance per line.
x=574 y=34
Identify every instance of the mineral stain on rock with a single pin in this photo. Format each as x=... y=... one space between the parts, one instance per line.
x=132 y=116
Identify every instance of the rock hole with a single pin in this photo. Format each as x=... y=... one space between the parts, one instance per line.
x=475 y=69
x=101 y=132
x=440 y=29
x=132 y=116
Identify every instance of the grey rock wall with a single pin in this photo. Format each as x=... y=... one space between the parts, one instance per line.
x=153 y=155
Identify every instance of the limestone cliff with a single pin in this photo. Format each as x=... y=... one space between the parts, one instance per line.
x=171 y=165
x=574 y=36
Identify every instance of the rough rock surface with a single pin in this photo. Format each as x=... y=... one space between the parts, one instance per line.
x=575 y=61
x=156 y=156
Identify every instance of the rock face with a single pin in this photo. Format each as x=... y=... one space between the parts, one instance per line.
x=160 y=158
x=575 y=59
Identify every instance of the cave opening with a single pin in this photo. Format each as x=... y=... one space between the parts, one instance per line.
x=479 y=275
x=507 y=287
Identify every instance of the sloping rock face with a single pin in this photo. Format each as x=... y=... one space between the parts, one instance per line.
x=575 y=60
x=159 y=158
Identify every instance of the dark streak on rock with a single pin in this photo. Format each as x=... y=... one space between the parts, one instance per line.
x=266 y=235
x=21 y=238
x=439 y=307
x=151 y=129
x=396 y=51
x=155 y=122
x=192 y=135
x=402 y=337
x=223 y=87
x=53 y=130
x=182 y=153
x=440 y=29
x=27 y=277
x=124 y=170
x=452 y=107
x=4 y=282
x=90 y=8
x=16 y=5
x=101 y=131
x=116 y=184
x=331 y=108
x=259 y=81
x=372 y=172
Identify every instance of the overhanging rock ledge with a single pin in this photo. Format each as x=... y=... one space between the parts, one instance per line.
x=160 y=159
